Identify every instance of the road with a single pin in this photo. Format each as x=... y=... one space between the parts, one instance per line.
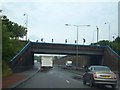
x=57 y=78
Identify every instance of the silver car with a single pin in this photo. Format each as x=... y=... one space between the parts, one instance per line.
x=99 y=75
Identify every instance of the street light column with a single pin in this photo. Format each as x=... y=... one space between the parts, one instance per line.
x=109 y=29
x=77 y=47
x=77 y=40
x=26 y=24
x=97 y=33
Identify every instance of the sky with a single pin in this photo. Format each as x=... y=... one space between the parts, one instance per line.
x=47 y=19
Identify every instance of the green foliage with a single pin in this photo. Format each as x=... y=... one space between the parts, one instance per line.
x=14 y=29
x=11 y=30
x=5 y=69
x=117 y=40
x=38 y=58
x=115 y=45
x=10 y=44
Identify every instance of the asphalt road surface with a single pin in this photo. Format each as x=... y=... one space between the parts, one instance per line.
x=57 y=78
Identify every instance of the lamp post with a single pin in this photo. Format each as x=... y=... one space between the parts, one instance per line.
x=109 y=29
x=65 y=40
x=97 y=33
x=52 y=40
x=26 y=24
x=77 y=26
x=84 y=41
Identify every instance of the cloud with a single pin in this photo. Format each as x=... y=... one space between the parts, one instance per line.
x=47 y=20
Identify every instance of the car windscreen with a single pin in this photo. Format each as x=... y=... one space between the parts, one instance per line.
x=101 y=69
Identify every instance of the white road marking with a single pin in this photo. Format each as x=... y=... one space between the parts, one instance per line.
x=67 y=81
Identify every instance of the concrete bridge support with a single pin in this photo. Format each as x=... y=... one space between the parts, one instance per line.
x=23 y=60
x=82 y=60
x=111 y=59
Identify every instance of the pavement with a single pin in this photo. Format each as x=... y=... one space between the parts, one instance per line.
x=16 y=79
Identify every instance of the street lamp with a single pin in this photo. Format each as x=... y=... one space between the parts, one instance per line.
x=26 y=24
x=97 y=33
x=77 y=26
x=52 y=40
x=41 y=39
x=109 y=29
x=83 y=41
x=65 y=40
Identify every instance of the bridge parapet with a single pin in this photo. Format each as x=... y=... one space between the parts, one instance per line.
x=66 y=48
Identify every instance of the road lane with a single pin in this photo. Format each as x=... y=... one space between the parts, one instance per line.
x=54 y=78
x=57 y=78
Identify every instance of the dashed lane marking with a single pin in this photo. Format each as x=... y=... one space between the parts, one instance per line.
x=67 y=81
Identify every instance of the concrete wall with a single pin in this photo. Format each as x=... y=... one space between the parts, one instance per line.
x=82 y=60
x=111 y=59
x=68 y=49
x=23 y=60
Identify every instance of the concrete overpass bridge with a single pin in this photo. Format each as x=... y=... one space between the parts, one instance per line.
x=25 y=58
x=69 y=49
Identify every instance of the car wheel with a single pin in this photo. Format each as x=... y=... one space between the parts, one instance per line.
x=113 y=86
x=84 y=82
x=91 y=83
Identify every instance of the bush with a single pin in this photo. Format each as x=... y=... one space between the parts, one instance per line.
x=6 y=71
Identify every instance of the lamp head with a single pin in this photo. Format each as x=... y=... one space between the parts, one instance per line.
x=88 y=25
x=66 y=24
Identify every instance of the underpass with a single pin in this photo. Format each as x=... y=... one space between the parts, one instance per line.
x=103 y=55
x=87 y=55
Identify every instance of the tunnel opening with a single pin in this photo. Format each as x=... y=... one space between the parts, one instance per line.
x=38 y=58
x=60 y=59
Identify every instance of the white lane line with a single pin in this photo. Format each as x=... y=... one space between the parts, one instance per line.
x=67 y=81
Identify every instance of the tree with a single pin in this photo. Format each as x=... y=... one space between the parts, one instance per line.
x=115 y=45
x=15 y=29
x=117 y=39
x=10 y=30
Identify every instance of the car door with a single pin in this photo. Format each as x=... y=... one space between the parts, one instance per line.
x=86 y=75
x=89 y=74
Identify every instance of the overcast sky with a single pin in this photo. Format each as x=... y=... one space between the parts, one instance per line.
x=47 y=19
